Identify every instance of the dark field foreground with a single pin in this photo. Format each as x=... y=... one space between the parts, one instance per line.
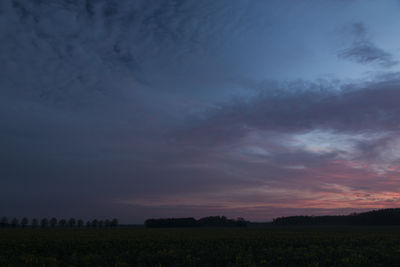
x=272 y=246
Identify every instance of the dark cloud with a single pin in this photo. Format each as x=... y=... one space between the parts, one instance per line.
x=303 y=107
x=359 y=30
x=77 y=52
x=309 y=133
x=364 y=51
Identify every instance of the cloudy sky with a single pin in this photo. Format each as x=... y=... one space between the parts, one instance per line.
x=165 y=108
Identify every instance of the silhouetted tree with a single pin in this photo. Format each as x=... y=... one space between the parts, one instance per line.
x=80 y=223
x=4 y=222
x=62 y=223
x=212 y=221
x=101 y=223
x=24 y=222
x=44 y=222
x=114 y=222
x=14 y=222
x=95 y=223
x=71 y=222
x=241 y=222
x=219 y=221
x=171 y=222
x=35 y=223
x=107 y=223
x=88 y=224
x=53 y=222
x=375 y=217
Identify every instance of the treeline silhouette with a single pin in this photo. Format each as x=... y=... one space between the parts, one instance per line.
x=212 y=221
x=54 y=222
x=374 y=217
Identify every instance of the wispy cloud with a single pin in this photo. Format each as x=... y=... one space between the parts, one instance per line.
x=303 y=107
x=364 y=51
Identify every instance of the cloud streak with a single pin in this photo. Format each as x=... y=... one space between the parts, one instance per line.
x=303 y=107
x=364 y=51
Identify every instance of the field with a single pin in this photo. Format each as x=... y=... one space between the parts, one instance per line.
x=271 y=246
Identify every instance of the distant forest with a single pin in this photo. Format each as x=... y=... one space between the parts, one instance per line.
x=212 y=221
x=54 y=222
x=375 y=217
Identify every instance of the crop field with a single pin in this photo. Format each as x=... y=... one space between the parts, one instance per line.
x=270 y=246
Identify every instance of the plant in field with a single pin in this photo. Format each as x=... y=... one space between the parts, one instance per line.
x=203 y=247
x=24 y=222
x=53 y=222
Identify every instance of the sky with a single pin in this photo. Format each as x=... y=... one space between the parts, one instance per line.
x=184 y=108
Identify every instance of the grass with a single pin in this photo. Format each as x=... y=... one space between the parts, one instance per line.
x=268 y=246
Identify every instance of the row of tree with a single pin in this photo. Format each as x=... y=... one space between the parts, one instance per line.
x=212 y=221
x=374 y=217
x=54 y=222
